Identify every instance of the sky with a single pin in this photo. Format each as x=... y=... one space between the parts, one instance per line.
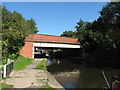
x=53 y=18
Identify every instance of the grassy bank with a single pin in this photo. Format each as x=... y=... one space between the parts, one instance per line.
x=21 y=62
x=42 y=65
x=4 y=85
x=47 y=87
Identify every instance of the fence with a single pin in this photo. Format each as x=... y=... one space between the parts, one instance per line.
x=7 y=68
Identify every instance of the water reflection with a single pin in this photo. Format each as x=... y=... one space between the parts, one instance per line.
x=52 y=61
x=71 y=74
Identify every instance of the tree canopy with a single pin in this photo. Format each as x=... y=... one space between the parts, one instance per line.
x=69 y=34
x=14 y=29
x=102 y=33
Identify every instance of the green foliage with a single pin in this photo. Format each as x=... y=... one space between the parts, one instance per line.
x=47 y=87
x=103 y=33
x=8 y=77
x=108 y=24
x=4 y=85
x=13 y=56
x=42 y=65
x=50 y=88
x=21 y=62
x=0 y=48
x=88 y=38
x=14 y=29
x=68 y=34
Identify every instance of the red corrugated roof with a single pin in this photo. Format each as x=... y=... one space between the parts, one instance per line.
x=50 y=38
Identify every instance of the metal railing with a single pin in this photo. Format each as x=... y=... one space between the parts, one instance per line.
x=7 y=68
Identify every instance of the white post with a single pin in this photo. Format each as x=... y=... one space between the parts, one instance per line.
x=33 y=52
x=4 y=71
x=105 y=79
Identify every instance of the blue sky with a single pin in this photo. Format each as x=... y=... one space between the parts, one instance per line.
x=54 y=18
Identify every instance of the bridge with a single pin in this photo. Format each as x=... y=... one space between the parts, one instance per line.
x=34 y=44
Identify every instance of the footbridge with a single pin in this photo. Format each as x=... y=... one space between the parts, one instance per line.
x=35 y=43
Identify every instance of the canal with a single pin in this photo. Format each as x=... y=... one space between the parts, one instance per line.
x=75 y=74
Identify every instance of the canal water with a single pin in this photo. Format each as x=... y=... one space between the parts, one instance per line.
x=75 y=74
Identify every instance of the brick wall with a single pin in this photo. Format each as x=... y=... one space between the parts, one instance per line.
x=27 y=50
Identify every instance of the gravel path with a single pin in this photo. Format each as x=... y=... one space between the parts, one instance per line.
x=32 y=78
x=33 y=64
x=29 y=77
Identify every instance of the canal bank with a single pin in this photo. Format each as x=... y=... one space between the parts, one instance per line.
x=53 y=82
x=32 y=78
x=71 y=74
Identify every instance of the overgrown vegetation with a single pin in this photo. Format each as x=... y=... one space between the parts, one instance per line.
x=47 y=87
x=21 y=62
x=42 y=65
x=101 y=34
x=4 y=85
x=7 y=77
x=14 y=30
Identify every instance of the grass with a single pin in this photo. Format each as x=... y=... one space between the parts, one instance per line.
x=0 y=68
x=50 y=87
x=7 y=77
x=47 y=87
x=21 y=62
x=42 y=65
x=4 y=85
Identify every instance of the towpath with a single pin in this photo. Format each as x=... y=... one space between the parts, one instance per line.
x=32 y=78
x=33 y=64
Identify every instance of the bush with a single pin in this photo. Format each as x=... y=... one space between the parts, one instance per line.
x=13 y=56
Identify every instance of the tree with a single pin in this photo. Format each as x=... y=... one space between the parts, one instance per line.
x=69 y=34
x=32 y=25
x=14 y=29
x=108 y=24
x=103 y=33
x=88 y=38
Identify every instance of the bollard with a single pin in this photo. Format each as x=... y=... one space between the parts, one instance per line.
x=4 y=71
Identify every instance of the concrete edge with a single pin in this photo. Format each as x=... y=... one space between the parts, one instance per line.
x=53 y=82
